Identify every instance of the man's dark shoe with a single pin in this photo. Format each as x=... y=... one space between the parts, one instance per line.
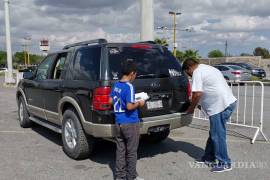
x=221 y=168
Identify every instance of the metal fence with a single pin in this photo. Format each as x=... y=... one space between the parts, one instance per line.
x=250 y=107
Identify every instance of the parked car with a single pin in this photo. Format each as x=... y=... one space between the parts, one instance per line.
x=3 y=69
x=234 y=73
x=69 y=92
x=255 y=71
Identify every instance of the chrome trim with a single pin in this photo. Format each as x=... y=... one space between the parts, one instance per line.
x=45 y=114
x=175 y=120
x=56 y=129
x=52 y=117
x=37 y=111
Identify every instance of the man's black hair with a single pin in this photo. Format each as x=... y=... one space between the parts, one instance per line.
x=188 y=63
x=129 y=66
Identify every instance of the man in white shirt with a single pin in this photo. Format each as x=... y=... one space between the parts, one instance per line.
x=211 y=91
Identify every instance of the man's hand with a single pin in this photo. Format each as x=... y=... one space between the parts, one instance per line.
x=195 y=99
x=141 y=103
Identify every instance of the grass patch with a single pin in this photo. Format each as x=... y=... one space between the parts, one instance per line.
x=255 y=78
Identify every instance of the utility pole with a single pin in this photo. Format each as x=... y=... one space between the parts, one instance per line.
x=147 y=20
x=174 y=14
x=26 y=43
x=25 y=53
x=226 y=48
x=9 y=78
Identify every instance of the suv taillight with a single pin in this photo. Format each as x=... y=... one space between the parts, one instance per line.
x=141 y=46
x=101 y=98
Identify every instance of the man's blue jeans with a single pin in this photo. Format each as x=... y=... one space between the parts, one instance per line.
x=216 y=147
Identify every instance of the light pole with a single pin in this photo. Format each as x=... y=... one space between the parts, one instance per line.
x=26 y=44
x=147 y=20
x=176 y=29
x=174 y=14
x=9 y=78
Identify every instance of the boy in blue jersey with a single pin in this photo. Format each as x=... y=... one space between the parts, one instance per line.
x=127 y=123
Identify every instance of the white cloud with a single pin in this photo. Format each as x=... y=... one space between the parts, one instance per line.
x=243 y=23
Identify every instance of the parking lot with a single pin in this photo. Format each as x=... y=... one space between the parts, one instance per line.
x=36 y=153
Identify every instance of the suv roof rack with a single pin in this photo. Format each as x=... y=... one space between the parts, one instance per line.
x=83 y=43
x=149 y=42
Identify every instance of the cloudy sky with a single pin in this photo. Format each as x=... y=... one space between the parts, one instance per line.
x=245 y=24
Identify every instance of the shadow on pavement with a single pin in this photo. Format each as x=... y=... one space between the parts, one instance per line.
x=48 y=134
x=230 y=130
x=104 y=151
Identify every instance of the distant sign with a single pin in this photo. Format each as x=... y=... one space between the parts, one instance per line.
x=44 y=45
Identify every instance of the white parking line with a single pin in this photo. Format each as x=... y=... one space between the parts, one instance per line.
x=171 y=136
x=204 y=139
x=18 y=132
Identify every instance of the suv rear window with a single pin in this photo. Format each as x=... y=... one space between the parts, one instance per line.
x=151 y=62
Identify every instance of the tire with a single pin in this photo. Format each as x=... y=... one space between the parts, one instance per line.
x=76 y=144
x=23 y=114
x=157 y=137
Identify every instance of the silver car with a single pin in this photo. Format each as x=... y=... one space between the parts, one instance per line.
x=234 y=73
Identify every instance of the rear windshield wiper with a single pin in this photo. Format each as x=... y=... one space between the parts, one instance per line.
x=163 y=75
x=141 y=76
x=152 y=76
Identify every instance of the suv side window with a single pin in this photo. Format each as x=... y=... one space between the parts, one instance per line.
x=87 y=64
x=43 y=68
x=59 y=65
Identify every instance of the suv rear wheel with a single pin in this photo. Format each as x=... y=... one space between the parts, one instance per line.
x=76 y=144
x=25 y=122
x=158 y=136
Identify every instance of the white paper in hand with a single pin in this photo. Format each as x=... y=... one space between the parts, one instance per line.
x=141 y=96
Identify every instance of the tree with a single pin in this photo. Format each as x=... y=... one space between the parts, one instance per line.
x=3 y=57
x=215 y=54
x=245 y=54
x=188 y=54
x=180 y=55
x=162 y=42
x=263 y=52
x=20 y=56
x=193 y=54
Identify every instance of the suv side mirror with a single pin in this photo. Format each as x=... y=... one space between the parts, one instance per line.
x=28 y=75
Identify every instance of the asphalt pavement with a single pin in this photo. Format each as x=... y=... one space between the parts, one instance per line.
x=36 y=153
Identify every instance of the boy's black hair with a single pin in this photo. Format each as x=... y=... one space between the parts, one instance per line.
x=129 y=66
x=188 y=63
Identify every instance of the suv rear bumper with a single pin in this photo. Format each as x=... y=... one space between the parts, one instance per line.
x=174 y=121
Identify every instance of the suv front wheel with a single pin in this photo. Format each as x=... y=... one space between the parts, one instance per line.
x=25 y=122
x=76 y=144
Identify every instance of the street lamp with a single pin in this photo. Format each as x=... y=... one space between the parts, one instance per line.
x=174 y=14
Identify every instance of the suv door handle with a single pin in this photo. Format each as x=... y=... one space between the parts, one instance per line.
x=58 y=90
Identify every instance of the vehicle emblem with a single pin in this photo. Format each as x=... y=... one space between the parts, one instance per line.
x=155 y=85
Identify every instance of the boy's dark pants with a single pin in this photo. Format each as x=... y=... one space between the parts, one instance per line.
x=127 y=141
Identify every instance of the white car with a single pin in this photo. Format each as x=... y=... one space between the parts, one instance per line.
x=3 y=69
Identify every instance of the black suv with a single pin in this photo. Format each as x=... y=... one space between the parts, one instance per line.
x=69 y=92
